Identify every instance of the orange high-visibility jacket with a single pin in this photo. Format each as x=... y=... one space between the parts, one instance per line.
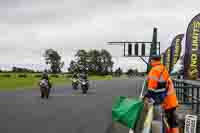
x=159 y=72
x=170 y=100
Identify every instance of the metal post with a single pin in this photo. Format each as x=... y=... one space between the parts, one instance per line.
x=185 y=95
x=177 y=92
x=124 y=49
x=186 y=92
x=188 y=95
x=197 y=100
x=144 y=60
x=182 y=95
x=192 y=97
x=179 y=96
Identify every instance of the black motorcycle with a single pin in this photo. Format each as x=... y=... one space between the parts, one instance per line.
x=84 y=85
x=45 y=88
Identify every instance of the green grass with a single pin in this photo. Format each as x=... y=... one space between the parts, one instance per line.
x=30 y=82
x=96 y=77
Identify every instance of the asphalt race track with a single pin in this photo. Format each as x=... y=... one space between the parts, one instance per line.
x=66 y=111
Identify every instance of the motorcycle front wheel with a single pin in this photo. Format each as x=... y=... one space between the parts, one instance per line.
x=84 y=89
x=74 y=86
x=48 y=92
x=42 y=94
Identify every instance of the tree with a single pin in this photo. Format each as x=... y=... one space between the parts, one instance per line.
x=82 y=58
x=118 y=72
x=14 y=69
x=106 y=61
x=73 y=67
x=130 y=72
x=94 y=57
x=97 y=62
x=19 y=69
x=136 y=72
x=53 y=59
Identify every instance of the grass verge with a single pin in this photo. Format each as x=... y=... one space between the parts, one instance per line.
x=15 y=82
x=28 y=82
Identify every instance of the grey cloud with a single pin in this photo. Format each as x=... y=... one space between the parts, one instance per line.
x=43 y=11
x=28 y=27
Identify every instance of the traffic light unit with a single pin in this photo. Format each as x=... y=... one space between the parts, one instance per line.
x=143 y=49
x=136 y=49
x=129 y=49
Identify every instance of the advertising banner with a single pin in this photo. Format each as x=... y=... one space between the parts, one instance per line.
x=176 y=48
x=167 y=59
x=192 y=50
x=163 y=58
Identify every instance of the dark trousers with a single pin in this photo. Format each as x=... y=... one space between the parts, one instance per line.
x=171 y=117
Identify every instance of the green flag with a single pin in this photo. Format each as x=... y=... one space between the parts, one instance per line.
x=127 y=111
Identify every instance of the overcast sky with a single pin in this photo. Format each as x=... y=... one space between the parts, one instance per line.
x=28 y=27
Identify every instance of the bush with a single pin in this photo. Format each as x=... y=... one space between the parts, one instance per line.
x=98 y=73
x=6 y=75
x=68 y=75
x=22 y=76
x=38 y=76
x=108 y=77
x=55 y=76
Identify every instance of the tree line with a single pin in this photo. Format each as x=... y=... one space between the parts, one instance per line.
x=95 y=61
x=20 y=70
x=26 y=70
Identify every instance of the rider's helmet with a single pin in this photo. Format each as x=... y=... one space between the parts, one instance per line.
x=75 y=75
x=45 y=75
x=81 y=68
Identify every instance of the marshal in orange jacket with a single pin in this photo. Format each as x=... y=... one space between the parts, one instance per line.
x=159 y=72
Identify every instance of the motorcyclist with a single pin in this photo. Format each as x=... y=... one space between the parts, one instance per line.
x=75 y=76
x=75 y=80
x=82 y=72
x=46 y=77
x=83 y=77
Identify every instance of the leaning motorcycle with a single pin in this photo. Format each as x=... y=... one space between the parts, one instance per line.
x=44 y=88
x=84 y=85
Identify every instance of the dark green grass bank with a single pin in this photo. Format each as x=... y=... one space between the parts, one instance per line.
x=13 y=81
